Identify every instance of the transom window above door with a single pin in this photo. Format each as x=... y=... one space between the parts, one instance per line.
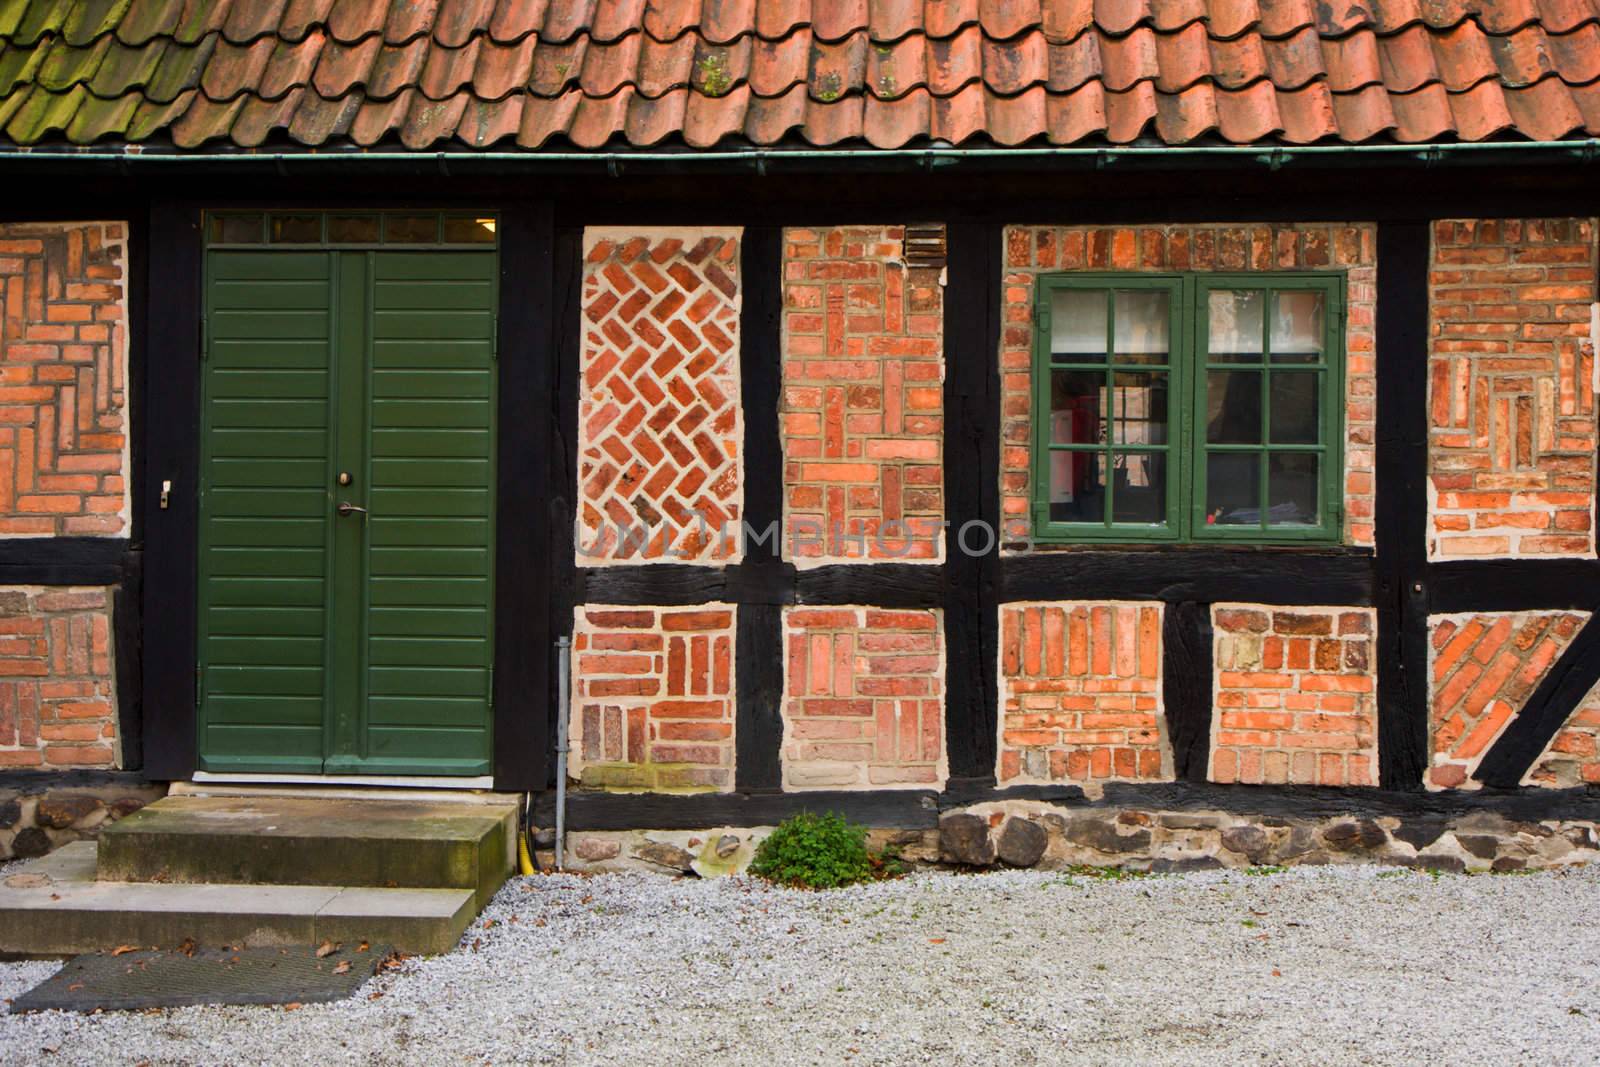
x=1188 y=407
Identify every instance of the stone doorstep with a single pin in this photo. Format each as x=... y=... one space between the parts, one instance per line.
x=56 y=906
x=292 y=840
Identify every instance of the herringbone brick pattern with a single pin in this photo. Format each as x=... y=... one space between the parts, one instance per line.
x=653 y=697
x=63 y=345
x=863 y=400
x=1034 y=250
x=57 y=687
x=1572 y=758
x=659 y=418
x=1484 y=668
x=863 y=699
x=1296 y=695
x=1080 y=690
x=1511 y=408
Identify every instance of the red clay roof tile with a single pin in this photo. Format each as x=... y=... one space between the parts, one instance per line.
x=887 y=73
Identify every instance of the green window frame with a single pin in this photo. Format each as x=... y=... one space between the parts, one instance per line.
x=1194 y=450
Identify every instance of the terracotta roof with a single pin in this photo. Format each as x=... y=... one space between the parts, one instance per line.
x=886 y=73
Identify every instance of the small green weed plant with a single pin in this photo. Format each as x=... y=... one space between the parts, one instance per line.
x=820 y=852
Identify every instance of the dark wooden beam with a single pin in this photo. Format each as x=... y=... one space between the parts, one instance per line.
x=920 y=809
x=127 y=636
x=1200 y=575
x=1401 y=460
x=525 y=365
x=1563 y=687
x=62 y=560
x=171 y=451
x=971 y=597
x=1186 y=686
x=562 y=445
x=762 y=581
x=1514 y=585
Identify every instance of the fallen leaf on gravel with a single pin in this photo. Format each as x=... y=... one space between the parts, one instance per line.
x=293 y=1005
x=935 y=940
x=343 y=968
x=363 y=947
x=477 y=943
x=73 y=988
x=123 y=950
x=1276 y=973
x=187 y=948
x=327 y=948
x=374 y=995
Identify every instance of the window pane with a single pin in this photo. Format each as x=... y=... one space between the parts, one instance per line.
x=464 y=230
x=236 y=229
x=1233 y=407
x=1233 y=489
x=1294 y=407
x=1234 y=325
x=411 y=229
x=1078 y=325
x=1143 y=325
x=1076 y=407
x=353 y=229
x=1139 y=407
x=1292 y=489
x=1297 y=327
x=1139 y=492
x=1077 y=481
x=296 y=229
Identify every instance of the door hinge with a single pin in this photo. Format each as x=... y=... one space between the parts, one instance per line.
x=205 y=339
x=491 y=689
x=494 y=336
x=199 y=687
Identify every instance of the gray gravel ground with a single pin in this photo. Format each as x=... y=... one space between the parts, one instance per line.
x=1320 y=966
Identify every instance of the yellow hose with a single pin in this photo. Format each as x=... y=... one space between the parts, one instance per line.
x=524 y=859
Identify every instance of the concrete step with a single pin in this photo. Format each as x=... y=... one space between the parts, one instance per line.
x=271 y=839
x=56 y=906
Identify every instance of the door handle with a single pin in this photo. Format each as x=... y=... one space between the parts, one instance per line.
x=350 y=509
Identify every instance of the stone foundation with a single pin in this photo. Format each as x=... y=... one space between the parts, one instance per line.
x=38 y=816
x=1017 y=833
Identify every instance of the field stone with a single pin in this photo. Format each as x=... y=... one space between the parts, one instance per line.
x=1101 y=834
x=594 y=849
x=1354 y=836
x=1480 y=845
x=1249 y=841
x=1022 y=842
x=965 y=839
x=10 y=812
x=30 y=843
x=665 y=855
x=58 y=812
x=1419 y=833
x=727 y=845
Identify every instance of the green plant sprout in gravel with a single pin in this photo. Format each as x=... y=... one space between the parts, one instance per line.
x=820 y=852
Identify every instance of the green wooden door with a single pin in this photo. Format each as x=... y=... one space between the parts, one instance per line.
x=346 y=622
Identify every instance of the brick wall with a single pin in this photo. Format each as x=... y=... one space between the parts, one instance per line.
x=1080 y=692
x=653 y=697
x=1034 y=250
x=1296 y=695
x=63 y=345
x=1484 y=667
x=659 y=433
x=1511 y=456
x=57 y=687
x=863 y=700
x=1572 y=758
x=863 y=407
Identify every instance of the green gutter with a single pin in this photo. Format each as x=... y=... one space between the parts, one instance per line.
x=1586 y=150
